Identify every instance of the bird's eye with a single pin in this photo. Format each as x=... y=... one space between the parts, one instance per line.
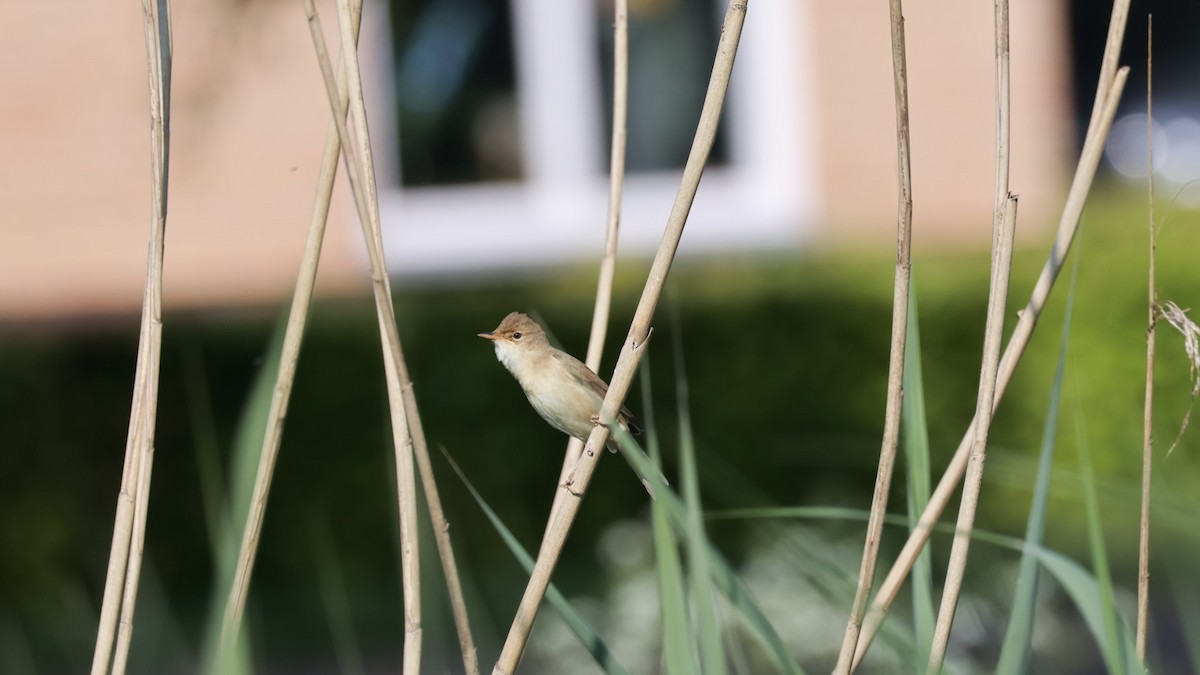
x=517 y=335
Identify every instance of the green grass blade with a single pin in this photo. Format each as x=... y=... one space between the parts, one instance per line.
x=712 y=651
x=722 y=574
x=1018 y=638
x=820 y=566
x=1084 y=588
x=15 y=652
x=735 y=648
x=336 y=600
x=1182 y=578
x=247 y=447
x=1094 y=603
x=576 y=623
x=1115 y=652
x=739 y=596
x=207 y=449
x=916 y=453
x=677 y=643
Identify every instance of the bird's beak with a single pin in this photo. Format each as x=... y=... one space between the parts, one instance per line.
x=489 y=336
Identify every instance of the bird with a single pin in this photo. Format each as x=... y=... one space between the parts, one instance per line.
x=561 y=388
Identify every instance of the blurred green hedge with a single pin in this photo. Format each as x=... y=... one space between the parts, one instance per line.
x=786 y=361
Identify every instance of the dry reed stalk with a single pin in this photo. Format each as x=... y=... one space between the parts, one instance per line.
x=1004 y=221
x=398 y=377
x=133 y=573
x=895 y=388
x=616 y=172
x=366 y=200
x=1003 y=113
x=1093 y=149
x=608 y=263
x=956 y=568
x=129 y=527
x=441 y=531
x=393 y=360
x=1143 y=583
x=1108 y=93
x=401 y=397
x=286 y=375
x=639 y=333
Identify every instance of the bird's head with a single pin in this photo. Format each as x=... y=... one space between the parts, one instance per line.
x=515 y=337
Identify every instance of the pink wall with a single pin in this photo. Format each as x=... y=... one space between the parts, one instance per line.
x=249 y=117
x=248 y=125
x=951 y=70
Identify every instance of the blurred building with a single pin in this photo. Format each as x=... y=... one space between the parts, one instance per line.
x=490 y=125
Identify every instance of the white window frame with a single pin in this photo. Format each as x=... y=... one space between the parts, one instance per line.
x=765 y=196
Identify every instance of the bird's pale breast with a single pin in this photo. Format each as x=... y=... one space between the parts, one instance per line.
x=561 y=400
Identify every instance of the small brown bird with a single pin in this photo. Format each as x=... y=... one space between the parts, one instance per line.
x=560 y=387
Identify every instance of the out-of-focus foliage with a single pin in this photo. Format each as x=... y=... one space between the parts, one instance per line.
x=786 y=359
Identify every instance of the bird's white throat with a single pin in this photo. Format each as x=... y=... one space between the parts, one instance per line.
x=506 y=354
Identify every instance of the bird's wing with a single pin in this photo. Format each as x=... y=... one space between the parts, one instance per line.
x=577 y=367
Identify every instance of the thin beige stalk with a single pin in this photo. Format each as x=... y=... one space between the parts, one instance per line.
x=608 y=263
x=125 y=555
x=1109 y=94
x=1003 y=113
x=393 y=357
x=956 y=569
x=285 y=377
x=133 y=574
x=441 y=530
x=1109 y=88
x=118 y=557
x=395 y=363
x=401 y=403
x=1004 y=221
x=1143 y=585
x=616 y=172
x=639 y=332
x=895 y=389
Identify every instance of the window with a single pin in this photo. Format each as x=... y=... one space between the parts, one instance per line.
x=455 y=91
x=668 y=39
x=491 y=126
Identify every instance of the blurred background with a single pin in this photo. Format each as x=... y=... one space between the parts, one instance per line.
x=490 y=123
